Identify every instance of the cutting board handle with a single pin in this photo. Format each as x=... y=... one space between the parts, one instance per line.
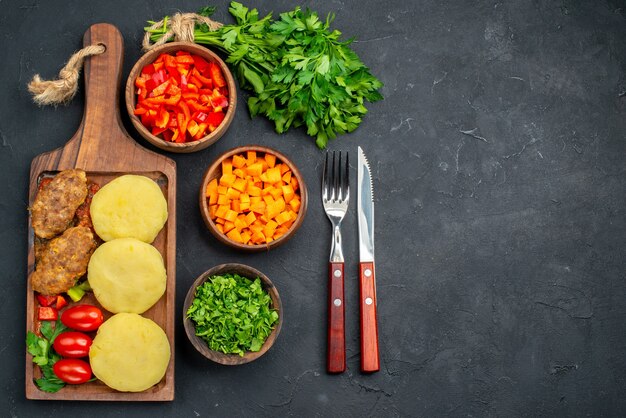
x=102 y=84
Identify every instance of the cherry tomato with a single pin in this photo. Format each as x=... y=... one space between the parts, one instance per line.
x=72 y=344
x=82 y=318
x=73 y=371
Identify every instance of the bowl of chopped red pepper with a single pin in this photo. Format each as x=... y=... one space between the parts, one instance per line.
x=181 y=97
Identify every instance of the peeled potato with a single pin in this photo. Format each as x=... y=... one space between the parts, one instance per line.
x=127 y=275
x=130 y=206
x=130 y=353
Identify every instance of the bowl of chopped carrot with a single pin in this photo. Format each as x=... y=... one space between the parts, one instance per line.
x=253 y=198
x=181 y=97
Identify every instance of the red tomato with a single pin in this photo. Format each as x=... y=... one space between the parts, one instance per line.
x=72 y=344
x=73 y=371
x=82 y=318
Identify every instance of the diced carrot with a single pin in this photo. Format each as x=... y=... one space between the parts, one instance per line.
x=234 y=235
x=220 y=227
x=250 y=218
x=212 y=210
x=228 y=226
x=295 y=204
x=251 y=157
x=227 y=179
x=270 y=159
x=235 y=205
x=272 y=210
x=245 y=237
x=258 y=237
x=268 y=199
x=222 y=189
x=240 y=224
x=244 y=197
x=222 y=199
x=221 y=211
x=238 y=161
x=253 y=190
x=232 y=193
x=240 y=185
x=284 y=169
x=276 y=192
x=255 y=169
x=231 y=215
x=239 y=172
x=288 y=192
x=273 y=175
x=287 y=177
x=227 y=166
x=294 y=183
x=258 y=207
x=269 y=228
x=211 y=187
x=282 y=217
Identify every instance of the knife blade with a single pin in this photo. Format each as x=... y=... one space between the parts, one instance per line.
x=367 y=272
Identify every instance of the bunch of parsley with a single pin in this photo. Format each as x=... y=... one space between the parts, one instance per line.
x=232 y=314
x=299 y=71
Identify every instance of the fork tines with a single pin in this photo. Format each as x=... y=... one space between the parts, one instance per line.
x=336 y=186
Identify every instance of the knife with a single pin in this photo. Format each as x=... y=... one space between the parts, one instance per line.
x=367 y=273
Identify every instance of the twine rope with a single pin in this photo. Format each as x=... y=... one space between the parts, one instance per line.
x=181 y=28
x=62 y=90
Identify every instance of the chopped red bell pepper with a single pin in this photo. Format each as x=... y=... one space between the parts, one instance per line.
x=200 y=63
x=181 y=96
x=148 y=69
x=46 y=300
x=216 y=75
x=215 y=119
x=61 y=302
x=185 y=59
x=162 y=118
x=47 y=313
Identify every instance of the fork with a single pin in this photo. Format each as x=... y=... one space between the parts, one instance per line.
x=335 y=197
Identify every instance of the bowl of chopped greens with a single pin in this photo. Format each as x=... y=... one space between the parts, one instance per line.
x=232 y=314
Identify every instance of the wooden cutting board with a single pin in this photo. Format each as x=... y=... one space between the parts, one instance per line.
x=102 y=147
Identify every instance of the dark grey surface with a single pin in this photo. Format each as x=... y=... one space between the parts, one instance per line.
x=499 y=163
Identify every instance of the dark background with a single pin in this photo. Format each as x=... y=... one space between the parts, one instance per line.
x=500 y=251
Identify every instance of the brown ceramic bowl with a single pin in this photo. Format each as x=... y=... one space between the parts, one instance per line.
x=215 y=171
x=131 y=98
x=201 y=345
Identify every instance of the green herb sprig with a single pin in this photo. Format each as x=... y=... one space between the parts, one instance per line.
x=44 y=355
x=299 y=71
x=232 y=314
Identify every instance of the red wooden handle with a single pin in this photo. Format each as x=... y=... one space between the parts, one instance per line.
x=336 y=361
x=369 y=325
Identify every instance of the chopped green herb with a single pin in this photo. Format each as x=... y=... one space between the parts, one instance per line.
x=44 y=356
x=232 y=314
x=300 y=72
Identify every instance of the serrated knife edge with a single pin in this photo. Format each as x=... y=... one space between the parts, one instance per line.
x=365 y=208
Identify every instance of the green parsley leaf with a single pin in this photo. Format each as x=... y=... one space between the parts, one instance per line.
x=44 y=356
x=49 y=382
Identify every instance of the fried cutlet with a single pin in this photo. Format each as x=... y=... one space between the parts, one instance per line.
x=55 y=204
x=63 y=261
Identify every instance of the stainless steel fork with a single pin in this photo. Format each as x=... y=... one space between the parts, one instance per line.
x=335 y=198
